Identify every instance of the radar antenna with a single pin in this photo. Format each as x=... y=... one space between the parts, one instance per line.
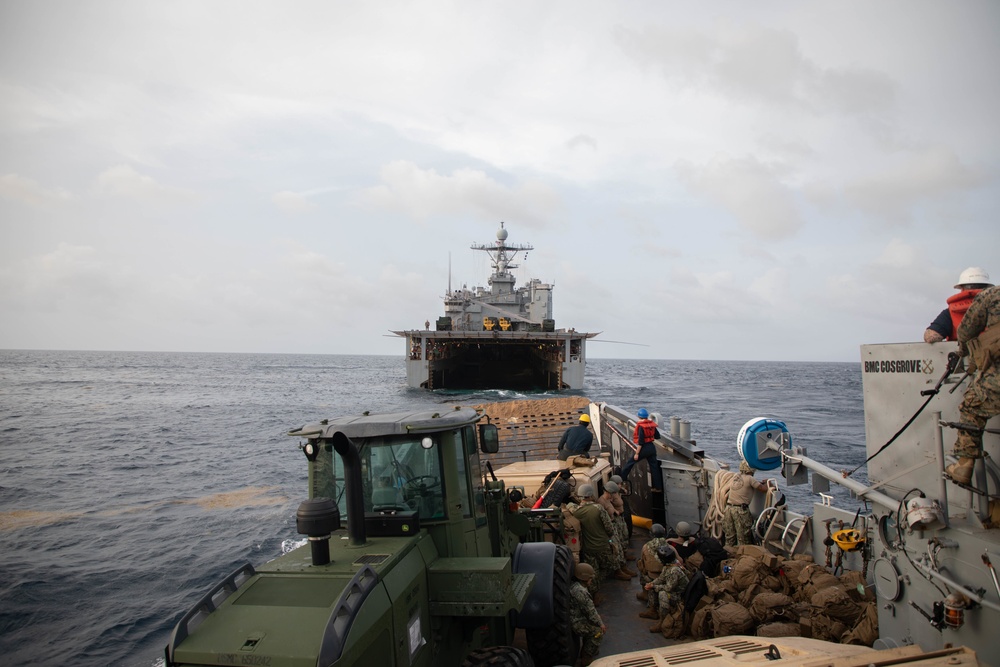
x=501 y=253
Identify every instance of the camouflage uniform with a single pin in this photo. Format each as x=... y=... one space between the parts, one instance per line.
x=737 y=522
x=584 y=619
x=620 y=530
x=982 y=398
x=598 y=541
x=669 y=587
x=652 y=601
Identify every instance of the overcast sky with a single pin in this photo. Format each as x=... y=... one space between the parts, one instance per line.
x=719 y=180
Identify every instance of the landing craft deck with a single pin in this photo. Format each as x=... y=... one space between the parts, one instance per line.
x=900 y=567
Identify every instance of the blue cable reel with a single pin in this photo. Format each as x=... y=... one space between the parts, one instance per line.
x=760 y=442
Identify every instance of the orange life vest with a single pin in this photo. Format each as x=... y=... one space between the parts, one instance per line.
x=957 y=305
x=648 y=427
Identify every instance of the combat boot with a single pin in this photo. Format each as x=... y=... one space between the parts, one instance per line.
x=649 y=613
x=598 y=599
x=642 y=595
x=659 y=624
x=630 y=573
x=622 y=575
x=961 y=472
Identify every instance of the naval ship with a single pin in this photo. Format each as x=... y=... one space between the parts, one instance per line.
x=497 y=337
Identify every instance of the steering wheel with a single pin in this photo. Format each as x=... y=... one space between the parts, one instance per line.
x=417 y=484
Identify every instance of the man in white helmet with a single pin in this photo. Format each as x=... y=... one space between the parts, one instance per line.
x=971 y=282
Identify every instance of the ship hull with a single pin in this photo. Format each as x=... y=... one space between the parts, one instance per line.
x=520 y=360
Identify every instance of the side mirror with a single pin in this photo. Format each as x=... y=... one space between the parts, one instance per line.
x=489 y=438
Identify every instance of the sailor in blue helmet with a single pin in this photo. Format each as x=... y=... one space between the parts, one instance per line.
x=643 y=436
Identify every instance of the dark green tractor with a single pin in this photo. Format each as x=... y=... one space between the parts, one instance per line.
x=413 y=558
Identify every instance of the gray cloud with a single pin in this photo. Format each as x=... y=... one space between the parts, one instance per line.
x=758 y=64
x=27 y=191
x=423 y=193
x=125 y=182
x=292 y=202
x=581 y=141
x=891 y=195
x=750 y=191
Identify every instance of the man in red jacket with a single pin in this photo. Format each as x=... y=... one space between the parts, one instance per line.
x=945 y=326
x=644 y=435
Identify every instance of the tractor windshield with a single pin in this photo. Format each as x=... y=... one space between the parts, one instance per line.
x=403 y=475
x=398 y=474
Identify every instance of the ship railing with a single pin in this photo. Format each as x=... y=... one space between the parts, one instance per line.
x=795 y=459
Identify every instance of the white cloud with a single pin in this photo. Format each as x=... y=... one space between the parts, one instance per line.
x=292 y=202
x=124 y=182
x=27 y=191
x=892 y=194
x=70 y=278
x=423 y=193
x=750 y=62
x=751 y=191
x=581 y=141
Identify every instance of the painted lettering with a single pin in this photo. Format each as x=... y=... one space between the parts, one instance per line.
x=898 y=366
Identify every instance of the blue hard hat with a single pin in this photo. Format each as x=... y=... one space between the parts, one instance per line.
x=643 y=413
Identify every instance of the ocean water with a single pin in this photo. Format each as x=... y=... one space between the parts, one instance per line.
x=130 y=483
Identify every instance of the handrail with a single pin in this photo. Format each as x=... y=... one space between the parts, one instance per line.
x=208 y=604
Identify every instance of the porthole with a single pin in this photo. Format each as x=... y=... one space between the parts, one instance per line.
x=888 y=532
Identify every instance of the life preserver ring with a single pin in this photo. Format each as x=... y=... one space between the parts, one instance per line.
x=746 y=442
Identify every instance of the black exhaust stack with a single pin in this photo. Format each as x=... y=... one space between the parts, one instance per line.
x=352 y=479
x=316 y=519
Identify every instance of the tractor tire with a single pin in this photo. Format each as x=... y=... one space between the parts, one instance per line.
x=498 y=656
x=556 y=644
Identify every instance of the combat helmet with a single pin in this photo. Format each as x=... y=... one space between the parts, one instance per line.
x=657 y=530
x=584 y=572
x=666 y=555
x=586 y=491
x=683 y=529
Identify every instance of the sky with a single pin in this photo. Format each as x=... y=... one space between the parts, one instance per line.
x=764 y=180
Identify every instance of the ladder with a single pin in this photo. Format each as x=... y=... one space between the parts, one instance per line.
x=786 y=532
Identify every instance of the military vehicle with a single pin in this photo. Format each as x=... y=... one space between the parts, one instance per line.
x=497 y=337
x=431 y=564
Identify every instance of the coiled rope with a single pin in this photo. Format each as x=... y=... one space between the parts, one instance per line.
x=723 y=483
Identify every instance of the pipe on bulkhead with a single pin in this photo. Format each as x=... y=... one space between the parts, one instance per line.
x=942 y=483
x=352 y=479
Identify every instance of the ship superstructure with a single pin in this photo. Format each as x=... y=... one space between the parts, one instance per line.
x=499 y=336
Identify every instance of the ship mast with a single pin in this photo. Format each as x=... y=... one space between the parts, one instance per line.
x=502 y=256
